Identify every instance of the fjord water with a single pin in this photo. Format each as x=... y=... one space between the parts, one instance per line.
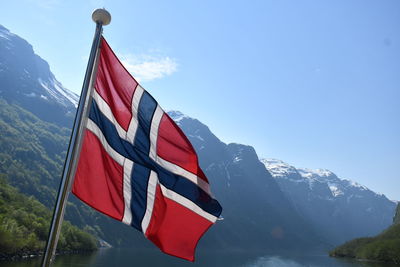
x=133 y=258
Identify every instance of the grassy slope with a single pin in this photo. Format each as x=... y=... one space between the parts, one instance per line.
x=383 y=247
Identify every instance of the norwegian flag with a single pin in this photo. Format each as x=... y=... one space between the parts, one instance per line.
x=138 y=167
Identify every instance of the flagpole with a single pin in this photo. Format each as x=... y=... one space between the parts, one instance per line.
x=100 y=17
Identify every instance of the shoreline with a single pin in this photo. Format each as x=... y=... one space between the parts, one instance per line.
x=32 y=254
x=360 y=259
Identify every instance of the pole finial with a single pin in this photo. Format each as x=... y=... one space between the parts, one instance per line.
x=102 y=16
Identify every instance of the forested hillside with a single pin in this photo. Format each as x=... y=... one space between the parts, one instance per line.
x=24 y=225
x=32 y=152
x=384 y=247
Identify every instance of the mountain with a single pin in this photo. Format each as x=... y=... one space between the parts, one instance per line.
x=256 y=213
x=259 y=214
x=338 y=208
x=26 y=79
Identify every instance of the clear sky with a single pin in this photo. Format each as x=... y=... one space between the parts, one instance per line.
x=313 y=83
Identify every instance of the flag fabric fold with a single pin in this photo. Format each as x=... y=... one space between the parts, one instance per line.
x=137 y=166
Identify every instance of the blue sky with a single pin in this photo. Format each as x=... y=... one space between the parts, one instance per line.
x=314 y=83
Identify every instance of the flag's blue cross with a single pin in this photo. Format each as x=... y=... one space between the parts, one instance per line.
x=138 y=152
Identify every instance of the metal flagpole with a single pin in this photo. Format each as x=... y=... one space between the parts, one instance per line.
x=100 y=17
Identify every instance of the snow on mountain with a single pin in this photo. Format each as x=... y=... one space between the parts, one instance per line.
x=278 y=168
x=177 y=116
x=337 y=186
x=315 y=174
x=59 y=93
x=27 y=79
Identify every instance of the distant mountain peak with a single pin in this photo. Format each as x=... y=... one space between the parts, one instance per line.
x=5 y=33
x=176 y=115
x=355 y=184
x=281 y=169
x=315 y=173
x=337 y=186
x=278 y=168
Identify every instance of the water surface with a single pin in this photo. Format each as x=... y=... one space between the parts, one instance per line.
x=131 y=257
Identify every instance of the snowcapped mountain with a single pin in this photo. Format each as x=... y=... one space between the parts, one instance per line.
x=26 y=80
x=341 y=209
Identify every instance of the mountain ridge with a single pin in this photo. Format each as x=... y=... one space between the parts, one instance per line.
x=283 y=169
x=26 y=78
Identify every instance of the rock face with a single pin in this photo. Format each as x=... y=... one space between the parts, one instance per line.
x=396 y=218
x=338 y=209
x=26 y=79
